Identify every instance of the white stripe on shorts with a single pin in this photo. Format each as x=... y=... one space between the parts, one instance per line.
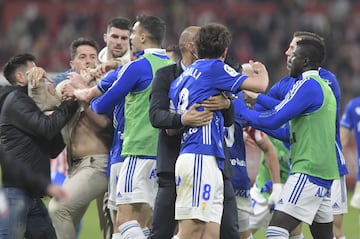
x=130 y=174
x=198 y=166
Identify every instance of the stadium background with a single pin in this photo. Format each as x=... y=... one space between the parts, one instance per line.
x=261 y=31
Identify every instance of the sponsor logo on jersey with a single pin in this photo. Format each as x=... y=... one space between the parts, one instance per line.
x=231 y=71
x=238 y=162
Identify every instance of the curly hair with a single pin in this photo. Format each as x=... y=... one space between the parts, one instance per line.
x=212 y=40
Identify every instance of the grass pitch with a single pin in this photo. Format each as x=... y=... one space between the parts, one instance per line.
x=90 y=227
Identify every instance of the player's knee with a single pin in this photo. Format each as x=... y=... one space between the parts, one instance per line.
x=57 y=211
x=53 y=208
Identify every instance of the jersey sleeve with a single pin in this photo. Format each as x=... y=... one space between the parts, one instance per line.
x=107 y=81
x=266 y=102
x=295 y=103
x=282 y=133
x=124 y=83
x=227 y=78
x=347 y=118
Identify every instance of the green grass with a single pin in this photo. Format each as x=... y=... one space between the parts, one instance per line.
x=351 y=224
x=90 y=225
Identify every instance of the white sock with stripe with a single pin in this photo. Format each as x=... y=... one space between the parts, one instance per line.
x=131 y=230
x=146 y=232
x=274 y=232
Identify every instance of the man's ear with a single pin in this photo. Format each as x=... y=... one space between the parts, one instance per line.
x=223 y=56
x=71 y=63
x=21 y=79
x=306 y=62
x=143 y=37
x=105 y=37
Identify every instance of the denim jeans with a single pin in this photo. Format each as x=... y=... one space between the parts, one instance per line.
x=28 y=217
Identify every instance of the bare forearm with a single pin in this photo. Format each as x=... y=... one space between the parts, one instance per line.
x=344 y=136
x=273 y=164
x=101 y=120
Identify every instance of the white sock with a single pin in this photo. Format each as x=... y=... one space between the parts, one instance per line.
x=116 y=236
x=274 y=232
x=175 y=237
x=131 y=230
x=146 y=232
x=301 y=236
x=250 y=237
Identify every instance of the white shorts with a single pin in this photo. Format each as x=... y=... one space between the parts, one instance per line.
x=339 y=196
x=305 y=201
x=244 y=210
x=199 y=187
x=355 y=199
x=261 y=215
x=137 y=181
x=113 y=179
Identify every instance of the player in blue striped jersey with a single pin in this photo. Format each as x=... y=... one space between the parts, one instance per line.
x=137 y=181
x=198 y=167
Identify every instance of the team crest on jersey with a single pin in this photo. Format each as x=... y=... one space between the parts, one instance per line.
x=230 y=70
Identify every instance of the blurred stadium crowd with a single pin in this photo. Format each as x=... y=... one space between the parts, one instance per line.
x=261 y=29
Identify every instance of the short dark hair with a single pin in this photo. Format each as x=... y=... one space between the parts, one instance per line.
x=212 y=40
x=81 y=42
x=155 y=26
x=311 y=36
x=14 y=63
x=308 y=35
x=314 y=50
x=119 y=22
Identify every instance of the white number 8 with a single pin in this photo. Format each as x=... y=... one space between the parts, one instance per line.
x=183 y=101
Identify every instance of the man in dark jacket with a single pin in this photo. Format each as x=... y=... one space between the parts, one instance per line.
x=31 y=138
x=34 y=183
x=163 y=225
